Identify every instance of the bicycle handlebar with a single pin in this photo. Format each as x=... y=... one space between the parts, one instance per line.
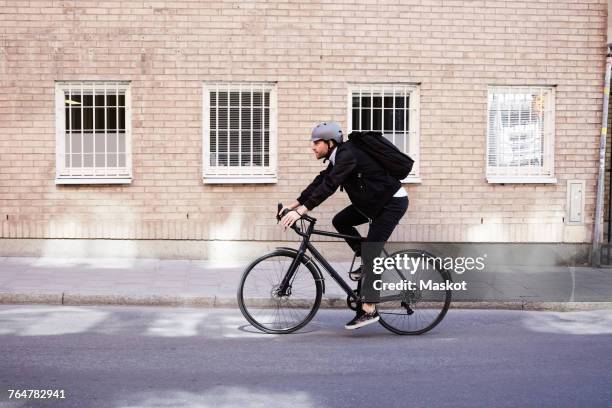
x=280 y=215
x=278 y=212
x=303 y=232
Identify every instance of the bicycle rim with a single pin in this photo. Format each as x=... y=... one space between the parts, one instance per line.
x=414 y=311
x=260 y=303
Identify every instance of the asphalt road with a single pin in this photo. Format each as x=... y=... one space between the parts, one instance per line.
x=176 y=357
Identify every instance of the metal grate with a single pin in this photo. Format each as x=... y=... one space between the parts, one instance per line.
x=520 y=131
x=392 y=109
x=93 y=130
x=240 y=131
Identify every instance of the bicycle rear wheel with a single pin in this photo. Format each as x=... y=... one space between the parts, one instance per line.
x=259 y=299
x=421 y=309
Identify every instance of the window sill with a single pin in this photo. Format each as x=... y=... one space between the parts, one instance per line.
x=84 y=180
x=239 y=180
x=521 y=180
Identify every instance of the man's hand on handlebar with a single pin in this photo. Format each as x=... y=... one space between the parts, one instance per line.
x=292 y=216
x=290 y=207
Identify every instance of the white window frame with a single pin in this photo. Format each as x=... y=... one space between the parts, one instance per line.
x=413 y=134
x=239 y=174
x=525 y=174
x=91 y=175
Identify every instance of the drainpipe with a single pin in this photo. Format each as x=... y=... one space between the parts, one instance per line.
x=595 y=250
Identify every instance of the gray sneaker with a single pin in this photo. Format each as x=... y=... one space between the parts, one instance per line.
x=362 y=319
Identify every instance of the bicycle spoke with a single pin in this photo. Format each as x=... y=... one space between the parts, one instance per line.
x=269 y=308
x=413 y=311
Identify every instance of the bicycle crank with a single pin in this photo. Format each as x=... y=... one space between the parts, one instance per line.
x=352 y=302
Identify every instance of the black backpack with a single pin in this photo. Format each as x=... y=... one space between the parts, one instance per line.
x=396 y=163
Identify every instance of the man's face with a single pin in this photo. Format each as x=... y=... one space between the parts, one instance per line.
x=319 y=148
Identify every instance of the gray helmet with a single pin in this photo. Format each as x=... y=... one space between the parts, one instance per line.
x=327 y=131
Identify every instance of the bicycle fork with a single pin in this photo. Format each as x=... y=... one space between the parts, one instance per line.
x=284 y=288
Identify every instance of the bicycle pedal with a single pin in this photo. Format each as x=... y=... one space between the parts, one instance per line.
x=355 y=275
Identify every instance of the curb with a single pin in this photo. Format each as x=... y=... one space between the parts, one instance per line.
x=75 y=299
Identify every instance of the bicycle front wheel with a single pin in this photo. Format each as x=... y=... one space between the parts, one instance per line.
x=262 y=304
x=418 y=309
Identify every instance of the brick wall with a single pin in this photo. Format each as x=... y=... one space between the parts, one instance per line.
x=312 y=49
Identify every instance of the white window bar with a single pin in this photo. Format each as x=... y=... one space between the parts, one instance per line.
x=382 y=112
x=93 y=130
x=105 y=130
x=393 y=117
x=407 y=111
x=263 y=126
x=82 y=128
x=86 y=164
x=117 y=125
x=228 y=130
x=252 y=162
x=371 y=108
x=241 y=165
x=70 y=134
x=378 y=120
x=360 y=109
x=217 y=126
x=240 y=125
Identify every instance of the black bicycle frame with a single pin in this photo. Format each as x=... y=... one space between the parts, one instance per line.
x=306 y=245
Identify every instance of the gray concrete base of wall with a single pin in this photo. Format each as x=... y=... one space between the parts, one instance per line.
x=528 y=254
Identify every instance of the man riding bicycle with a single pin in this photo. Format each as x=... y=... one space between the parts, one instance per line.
x=376 y=197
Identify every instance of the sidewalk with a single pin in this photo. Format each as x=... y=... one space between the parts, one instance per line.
x=123 y=281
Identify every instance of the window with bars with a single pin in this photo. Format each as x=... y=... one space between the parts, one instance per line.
x=93 y=132
x=392 y=109
x=239 y=133
x=520 y=134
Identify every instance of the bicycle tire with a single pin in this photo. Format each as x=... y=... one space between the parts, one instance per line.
x=396 y=317
x=278 y=307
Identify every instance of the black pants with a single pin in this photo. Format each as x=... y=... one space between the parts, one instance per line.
x=380 y=230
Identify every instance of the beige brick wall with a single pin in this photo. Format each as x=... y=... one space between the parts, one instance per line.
x=454 y=49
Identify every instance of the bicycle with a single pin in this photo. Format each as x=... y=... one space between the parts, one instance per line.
x=281 y=292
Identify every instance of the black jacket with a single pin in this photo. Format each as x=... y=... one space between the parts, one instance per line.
x=366 y=182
